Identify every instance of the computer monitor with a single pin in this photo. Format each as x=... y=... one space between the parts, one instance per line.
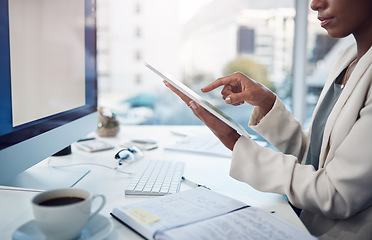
x=48 y=94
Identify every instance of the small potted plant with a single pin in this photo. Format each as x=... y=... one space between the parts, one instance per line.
x=108 y=125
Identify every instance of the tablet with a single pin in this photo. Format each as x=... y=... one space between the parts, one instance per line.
x=201 y=101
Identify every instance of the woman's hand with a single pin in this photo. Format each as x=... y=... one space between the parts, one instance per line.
x=227 y=135
x=238 y=88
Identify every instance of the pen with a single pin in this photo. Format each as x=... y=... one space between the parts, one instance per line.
x=193 y=183
x=86 y=139
x=143 y=141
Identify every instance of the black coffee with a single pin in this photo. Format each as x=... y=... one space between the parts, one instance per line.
x=61 y=201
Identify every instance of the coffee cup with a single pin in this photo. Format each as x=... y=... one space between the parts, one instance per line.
x=63 y=213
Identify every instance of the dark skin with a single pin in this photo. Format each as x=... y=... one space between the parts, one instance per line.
x=227 y=135
x=339 y=17
x=344 y=17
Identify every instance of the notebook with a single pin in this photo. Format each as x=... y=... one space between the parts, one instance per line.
x=200 y=213
x=201 y=101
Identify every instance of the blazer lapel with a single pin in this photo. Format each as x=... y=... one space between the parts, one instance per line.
x=340 y=65
x=355 y=77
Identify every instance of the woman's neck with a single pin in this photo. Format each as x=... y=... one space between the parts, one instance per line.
x=364 y=42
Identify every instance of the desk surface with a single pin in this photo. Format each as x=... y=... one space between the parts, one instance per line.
x=15 y=207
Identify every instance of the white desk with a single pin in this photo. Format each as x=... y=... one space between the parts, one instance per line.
x=15 y=208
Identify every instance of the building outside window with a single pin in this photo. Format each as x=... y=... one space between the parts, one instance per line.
x=246 y=40
x=198 y=41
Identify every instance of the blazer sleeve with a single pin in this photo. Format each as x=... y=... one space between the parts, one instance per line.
x=264 y=168
x=281 y=129
x=338 y=190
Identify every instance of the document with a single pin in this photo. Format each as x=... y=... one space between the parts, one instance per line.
x=247 y=223
x=205 y=143
x=203 y=214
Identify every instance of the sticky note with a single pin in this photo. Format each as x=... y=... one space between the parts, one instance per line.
x=141 y=216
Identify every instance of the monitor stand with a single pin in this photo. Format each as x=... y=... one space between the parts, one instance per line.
x=46 y=177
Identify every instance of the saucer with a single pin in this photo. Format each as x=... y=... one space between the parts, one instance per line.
x=98 y=228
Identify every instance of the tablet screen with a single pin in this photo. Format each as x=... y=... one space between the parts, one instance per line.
x=201 y=101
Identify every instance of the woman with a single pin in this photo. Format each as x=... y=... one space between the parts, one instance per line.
x=326 y=171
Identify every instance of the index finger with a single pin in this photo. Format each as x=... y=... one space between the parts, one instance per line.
x=219 y=82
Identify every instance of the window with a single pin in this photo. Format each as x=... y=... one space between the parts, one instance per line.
x=138 y=32
x=198 y=41
x=138 y=55
x=245 y=40
x=138 y=8
x=138 y=78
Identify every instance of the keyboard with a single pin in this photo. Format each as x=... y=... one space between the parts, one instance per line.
x=158 y=178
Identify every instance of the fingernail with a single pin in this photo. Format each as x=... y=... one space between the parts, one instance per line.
x=228 y=100
x=193 y=105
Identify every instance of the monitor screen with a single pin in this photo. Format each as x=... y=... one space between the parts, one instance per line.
x=48 y=75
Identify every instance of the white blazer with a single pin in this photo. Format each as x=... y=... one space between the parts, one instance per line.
x=337 y=199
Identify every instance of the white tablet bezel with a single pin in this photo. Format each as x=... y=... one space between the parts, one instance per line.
x=201 y=101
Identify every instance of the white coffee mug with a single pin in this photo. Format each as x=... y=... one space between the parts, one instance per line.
x=63 y=213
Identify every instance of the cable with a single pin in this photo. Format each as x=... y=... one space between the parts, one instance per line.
x=117 y=168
